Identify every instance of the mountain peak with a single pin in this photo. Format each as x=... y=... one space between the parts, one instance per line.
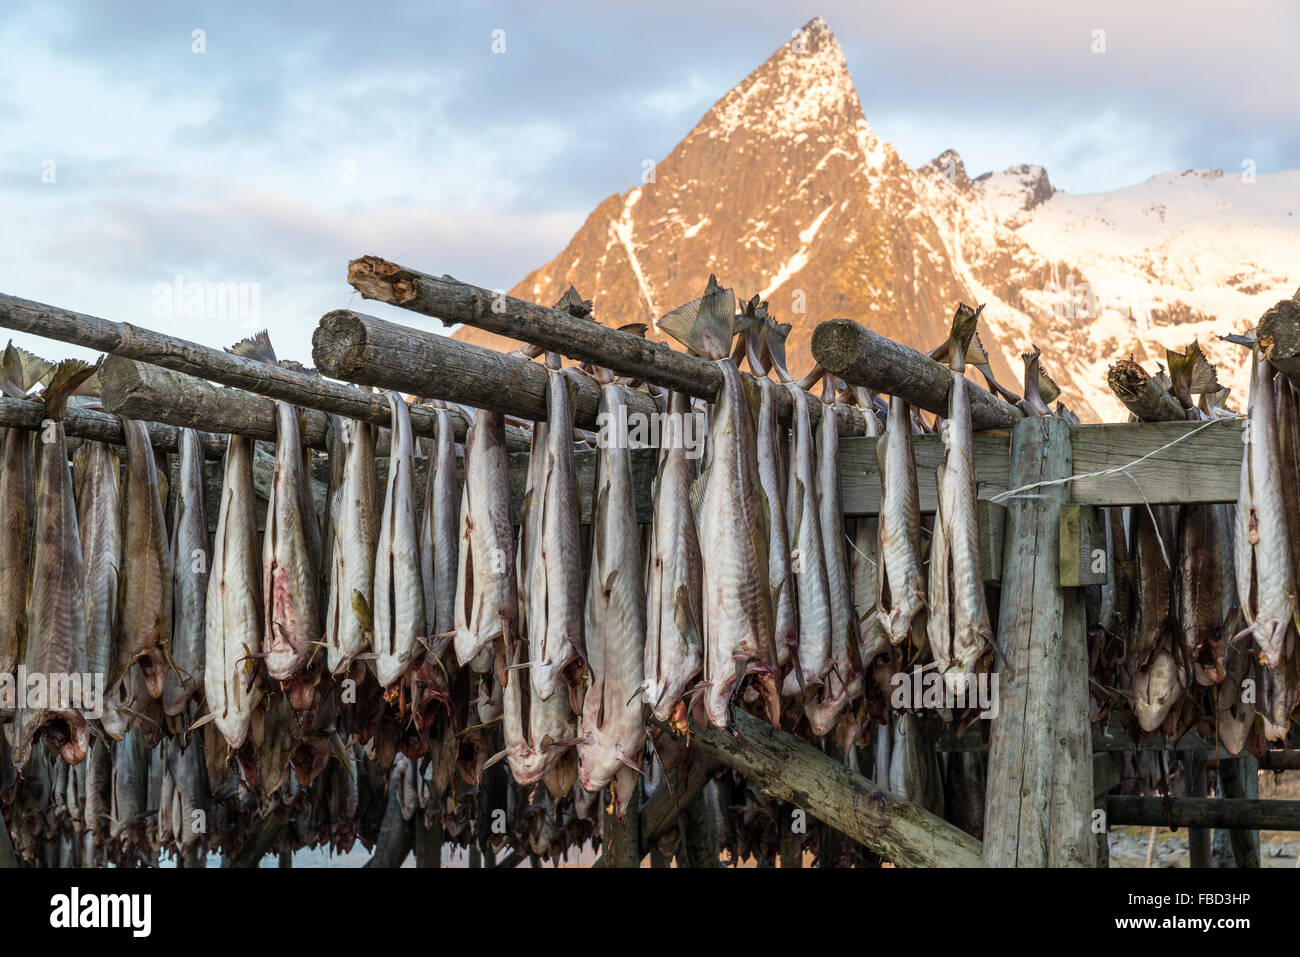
x=801 y=88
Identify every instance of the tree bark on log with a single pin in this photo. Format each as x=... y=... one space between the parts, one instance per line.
x=585 y=340
x=861 y=357
x=661 y=811
x=1022 y=752
x=138 y=390
x=790 y=769
x=102 y=427
x=289 y=385
x=620 y=841
x=360 y=348
x=1142 y=394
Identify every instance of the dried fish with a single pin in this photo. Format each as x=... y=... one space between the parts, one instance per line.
x=352 y=546
x=190 y=565
x=902 y=598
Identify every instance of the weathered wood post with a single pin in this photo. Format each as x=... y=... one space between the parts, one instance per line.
x=1032 y=819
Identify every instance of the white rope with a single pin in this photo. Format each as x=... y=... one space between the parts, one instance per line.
x=1120 y=470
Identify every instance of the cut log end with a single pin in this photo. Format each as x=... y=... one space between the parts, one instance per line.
x=836 y=344
x=1279 y=336
x=377 y=278
x=338 y=345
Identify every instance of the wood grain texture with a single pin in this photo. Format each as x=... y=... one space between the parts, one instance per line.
x=1082 y=532
x=1071 y=842
x=1205 y=467
x=1024 y=743
x=101 y=427
x=790 y=769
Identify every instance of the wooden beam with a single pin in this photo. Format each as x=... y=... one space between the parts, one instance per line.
x=1205 y=467
x=142 y=391
x=1202 y=812
x=360 y=348
x=860 y=474
x=453 y=302
x=1070 y=837
x=1022 y=752
x=288 y=385
x=861 y=357
x=660 y=812
x=101 y=427
x=790 y=769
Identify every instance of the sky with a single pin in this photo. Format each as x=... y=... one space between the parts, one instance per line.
x=252 y=149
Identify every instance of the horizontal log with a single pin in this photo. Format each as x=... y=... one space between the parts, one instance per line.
x=1226 y=813
x=454 y=302
x=1279 y=334
x=790 y=769
x=1143 y=394
x=361 y=348
x=142 y=391
x=101 y=427
x=861 y=357
x=288 y=385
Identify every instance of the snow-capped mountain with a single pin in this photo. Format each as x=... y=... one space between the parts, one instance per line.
x=783 y=189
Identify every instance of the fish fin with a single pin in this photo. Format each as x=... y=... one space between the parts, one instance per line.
x=976 y=355
x=680 y=324
x=11 y=373
x=776 y=598
x=1249 y=342
x=68 y=377
x=696 y=494
x=635 y=328
x=684 y=615
x=573 y=303
x=1204 y=375
x=361 y=608
x=36 y=371
x=257 y=347
x=495 y=759
x=195 y=725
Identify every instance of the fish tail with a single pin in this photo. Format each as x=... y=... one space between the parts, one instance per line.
x=257 y=347
x=962 y=338
x=69 y=376
x=705 y=325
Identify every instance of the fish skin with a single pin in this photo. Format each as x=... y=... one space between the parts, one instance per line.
x=399 y=585
x=17 y=508
x=97 y=479
x=958 y=629
x=1279 y=691
x=1234 y=717
x=233 y=611
x=556 y=621
x=864 y=571
x=439 y=529
x=843 y=681
x=352 y=544
x=1199 y=611
x=811 y=576
x=674 y=649
x=900 y=528
x=130 y=787
x=191 y=561
x=612 y=725
x=146 y=574
x=540 y=734
x=56 y=606
x=1262 y=557
x=1152 y=627
x=487 y=601
x=779 y=574
x=913 y=767
x=99 y=774
x=290 y=573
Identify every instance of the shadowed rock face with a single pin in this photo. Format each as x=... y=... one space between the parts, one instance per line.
x=783 y=189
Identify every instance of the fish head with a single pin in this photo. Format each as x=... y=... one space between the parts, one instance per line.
x=1157 y=688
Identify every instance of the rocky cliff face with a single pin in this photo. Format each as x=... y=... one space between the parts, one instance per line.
x=783 y=189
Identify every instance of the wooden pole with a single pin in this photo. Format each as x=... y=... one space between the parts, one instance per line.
x=861 y=357
x=360 y=348
x=699 y=824
x=142 y=391
x=620 y=843
x=1239 y=778
x=631 y=355
x=289 y=385
x=1198 y=838
x=1022 y=752
x=101 y=427
x=1227 y=813
x=790 y=769
x=1072 y=843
